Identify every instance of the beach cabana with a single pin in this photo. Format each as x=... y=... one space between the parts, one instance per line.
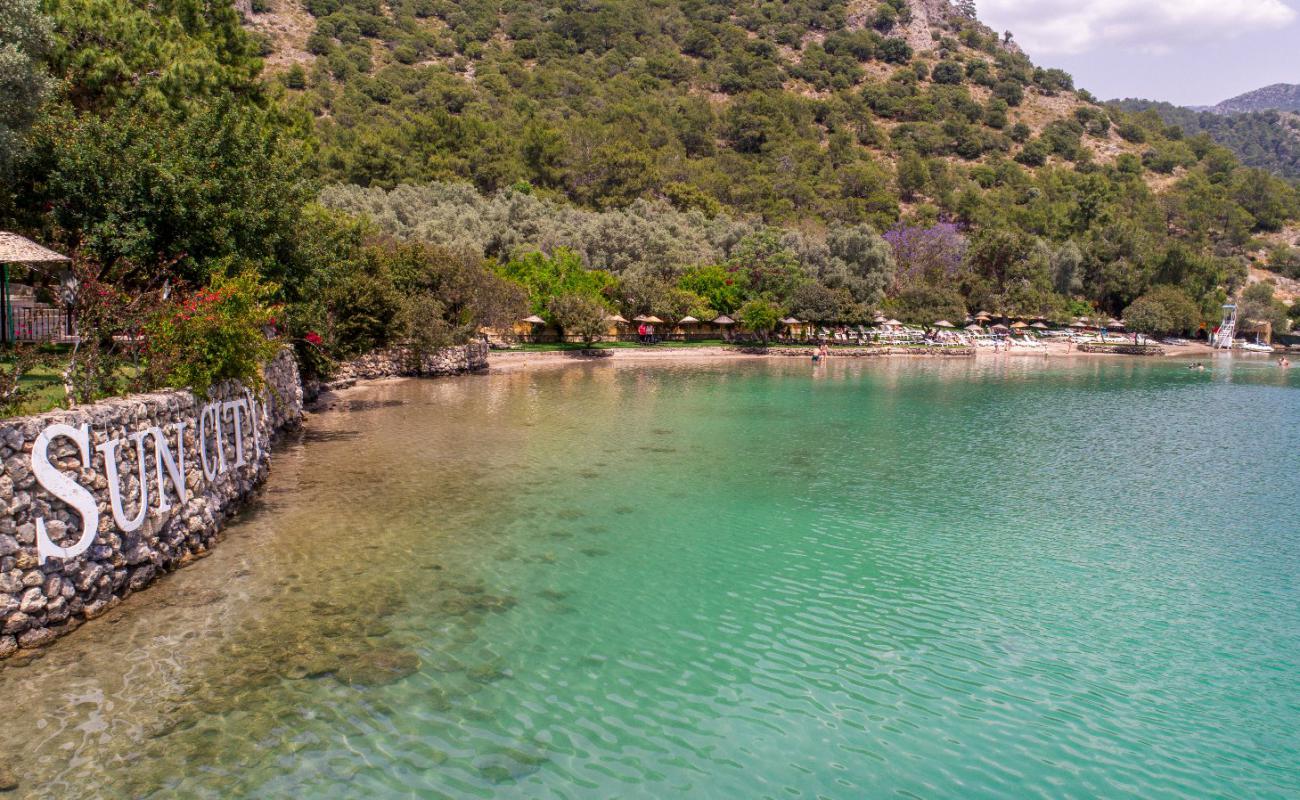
x=794 y=327
x=614 y=325
x=15 y=249
x=527 y=327
x=685 y=327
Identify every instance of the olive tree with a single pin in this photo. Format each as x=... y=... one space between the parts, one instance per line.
x=760 y=316
x=578 y=315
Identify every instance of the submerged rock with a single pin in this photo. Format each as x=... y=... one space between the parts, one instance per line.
x=378 y=667
x=8 y=780
x=509 y=765
x=486 y=673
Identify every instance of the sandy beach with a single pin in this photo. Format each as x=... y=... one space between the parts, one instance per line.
x=512 y=360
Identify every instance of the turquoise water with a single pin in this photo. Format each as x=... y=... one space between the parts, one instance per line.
x=968 y=579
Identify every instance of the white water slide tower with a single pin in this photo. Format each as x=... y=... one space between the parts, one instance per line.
x=1227 y=329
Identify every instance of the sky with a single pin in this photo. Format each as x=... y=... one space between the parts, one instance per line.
x=1188 y=52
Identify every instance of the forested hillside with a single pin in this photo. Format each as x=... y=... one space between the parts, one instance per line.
x=1266 y=139
x=820 y=157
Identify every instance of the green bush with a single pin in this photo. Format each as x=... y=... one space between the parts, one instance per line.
x=760 y=316
x=215 y=334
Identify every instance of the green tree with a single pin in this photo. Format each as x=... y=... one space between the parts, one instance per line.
x=1163 y=310
x=544 y=277
x=913 y=175
x=25 y=35
x=760 y=316
x=578 y=315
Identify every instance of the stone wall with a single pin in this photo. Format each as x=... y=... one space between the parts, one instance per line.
x=397 y=362
x=1123 y=349
x=861 y=352
x=103 y=499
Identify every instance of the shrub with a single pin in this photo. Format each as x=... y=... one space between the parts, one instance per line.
x=216 y=334
x=760 y=316
x=1164 y=309
x=947 y=72
x=577 y=315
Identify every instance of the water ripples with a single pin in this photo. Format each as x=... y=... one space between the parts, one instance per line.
x=922 y=580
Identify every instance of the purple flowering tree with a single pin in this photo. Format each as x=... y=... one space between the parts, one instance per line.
x=933 y=256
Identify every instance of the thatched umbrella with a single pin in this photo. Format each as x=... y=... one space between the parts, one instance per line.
x=1039 y=325
x=943 y=323
x=534 y=320
x=616 y=318
x=1078 y=323
x=723 y=319
x=688 y=320
x=983 y=315
x=15 y=249
x=1019 y=325
x=653 y=320
x=893 y=323
x=973 y=328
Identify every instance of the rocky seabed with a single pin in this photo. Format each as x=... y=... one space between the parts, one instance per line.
x=156 y=475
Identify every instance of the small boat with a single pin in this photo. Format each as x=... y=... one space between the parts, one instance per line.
x=1257 y=347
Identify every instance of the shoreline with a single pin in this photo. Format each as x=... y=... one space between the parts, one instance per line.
x=514 y=360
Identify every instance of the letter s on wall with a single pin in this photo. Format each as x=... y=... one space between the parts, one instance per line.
x=66 y=489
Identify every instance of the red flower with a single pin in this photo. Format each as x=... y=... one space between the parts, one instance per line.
x=313 y=337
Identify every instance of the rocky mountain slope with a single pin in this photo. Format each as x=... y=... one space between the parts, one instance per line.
x=1278 y=97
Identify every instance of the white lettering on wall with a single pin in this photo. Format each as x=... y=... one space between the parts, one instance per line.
x=66 y=489
x=234 y=407
x=168 y=466
x=175 y=465
x=219 y=463
x=109 y=450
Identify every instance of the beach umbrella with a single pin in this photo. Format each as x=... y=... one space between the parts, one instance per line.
x=687 y=320
x=653 y=320
x=615 y=318
x=640 y=318
x=1115 y=323
x=973 y=328
x=893 y=323
x=790 y=321
x=1019 y=325
x=999 y=327
x=943 y=323
x=983 y=315
x=1078 y=324
x=534 y=320
x=880 y=319
x=724 y=320
x=1039 y=325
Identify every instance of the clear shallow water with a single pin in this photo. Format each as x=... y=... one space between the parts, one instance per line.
x=983 y=579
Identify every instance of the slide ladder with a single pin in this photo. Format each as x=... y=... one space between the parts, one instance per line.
x=1227 y=328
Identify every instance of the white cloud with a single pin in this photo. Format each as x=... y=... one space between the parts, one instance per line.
x=1070 y=27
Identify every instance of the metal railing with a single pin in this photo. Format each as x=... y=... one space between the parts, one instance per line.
x=41 y=324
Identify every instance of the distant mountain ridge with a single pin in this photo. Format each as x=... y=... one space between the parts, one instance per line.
x=1262 y=126
x=1278 y=97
